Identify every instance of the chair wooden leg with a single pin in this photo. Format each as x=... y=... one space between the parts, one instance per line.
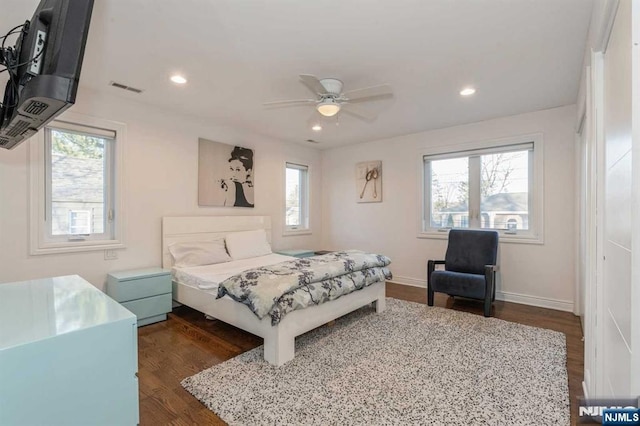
x=493 y=297
x=431 y=266
x=489 y=292
x=487 y=306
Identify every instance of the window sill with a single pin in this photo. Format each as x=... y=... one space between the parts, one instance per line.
x=504 y=238
x=77 y=247
x=296 y=232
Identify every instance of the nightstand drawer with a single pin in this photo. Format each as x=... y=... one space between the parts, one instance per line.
x=150 y=306
x=138 y=288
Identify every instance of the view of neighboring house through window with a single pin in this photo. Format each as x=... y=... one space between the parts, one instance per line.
x=504 y=187
x=78 y=179
x=80 y=222
x=296 y=197
x=489 y=188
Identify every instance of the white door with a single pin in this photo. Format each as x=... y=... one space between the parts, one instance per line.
x=616 y=244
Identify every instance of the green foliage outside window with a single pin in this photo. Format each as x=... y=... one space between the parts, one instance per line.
x=76 y=145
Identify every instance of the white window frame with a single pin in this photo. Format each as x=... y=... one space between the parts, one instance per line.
x=109 y=135
x=305 y=202
x=41 y=242
x=535 y=233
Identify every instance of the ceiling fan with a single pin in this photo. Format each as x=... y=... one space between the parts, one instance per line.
x=330 y=99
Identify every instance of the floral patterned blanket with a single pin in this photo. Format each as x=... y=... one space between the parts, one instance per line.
x=278 y=289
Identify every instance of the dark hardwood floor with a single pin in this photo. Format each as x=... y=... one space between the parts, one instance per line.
x=187 y=343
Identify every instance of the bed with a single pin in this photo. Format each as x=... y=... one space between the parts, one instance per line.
x=279 y=339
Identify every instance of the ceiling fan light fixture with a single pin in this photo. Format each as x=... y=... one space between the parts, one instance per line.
x=328 y=107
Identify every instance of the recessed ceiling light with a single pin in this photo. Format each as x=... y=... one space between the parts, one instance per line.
x=316 y=127
x=178 y=79
x=467 y=91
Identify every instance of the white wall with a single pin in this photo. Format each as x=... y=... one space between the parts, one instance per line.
x=161 y=168
x=535 y=274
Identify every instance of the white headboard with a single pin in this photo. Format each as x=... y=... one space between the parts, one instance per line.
x=206 y=228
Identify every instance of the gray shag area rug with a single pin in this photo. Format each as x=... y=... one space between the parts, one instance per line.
x=412 y=364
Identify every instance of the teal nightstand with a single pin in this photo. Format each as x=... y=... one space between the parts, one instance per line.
x=145 y=292
x=297 y=253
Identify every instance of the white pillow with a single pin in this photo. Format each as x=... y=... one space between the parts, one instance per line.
x=198 y=253
x=246 y=244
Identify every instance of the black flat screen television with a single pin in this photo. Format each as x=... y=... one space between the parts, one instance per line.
x=43 y=67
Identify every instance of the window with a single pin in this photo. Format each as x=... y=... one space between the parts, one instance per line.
x=296 y=198
x=489 y=187
x=74 y=186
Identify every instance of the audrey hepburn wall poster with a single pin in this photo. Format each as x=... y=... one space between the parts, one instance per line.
x=225 y=175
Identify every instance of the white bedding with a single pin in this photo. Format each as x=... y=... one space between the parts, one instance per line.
x=207 y=277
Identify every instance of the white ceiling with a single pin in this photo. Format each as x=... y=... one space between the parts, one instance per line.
x=521 y=55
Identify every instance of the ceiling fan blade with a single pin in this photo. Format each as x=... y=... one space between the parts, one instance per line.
x=368 y=93
x=358 y=113
x=292 y=102
x=313 y=84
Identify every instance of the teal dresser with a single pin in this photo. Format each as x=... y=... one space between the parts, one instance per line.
x=145 y=292
x=297 y=253
x=68 y=355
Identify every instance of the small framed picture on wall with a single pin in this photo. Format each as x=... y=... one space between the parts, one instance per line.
x=369 y=182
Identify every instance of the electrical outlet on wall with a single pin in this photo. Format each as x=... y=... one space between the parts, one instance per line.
x=110 y=254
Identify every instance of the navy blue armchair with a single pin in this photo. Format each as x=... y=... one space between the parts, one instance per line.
x=469 y=267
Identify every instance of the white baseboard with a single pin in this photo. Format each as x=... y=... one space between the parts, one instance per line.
x=413 y=282
x=524 y=299
x=542 y=302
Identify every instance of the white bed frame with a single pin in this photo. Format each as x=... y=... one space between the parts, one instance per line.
x=279 y=340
